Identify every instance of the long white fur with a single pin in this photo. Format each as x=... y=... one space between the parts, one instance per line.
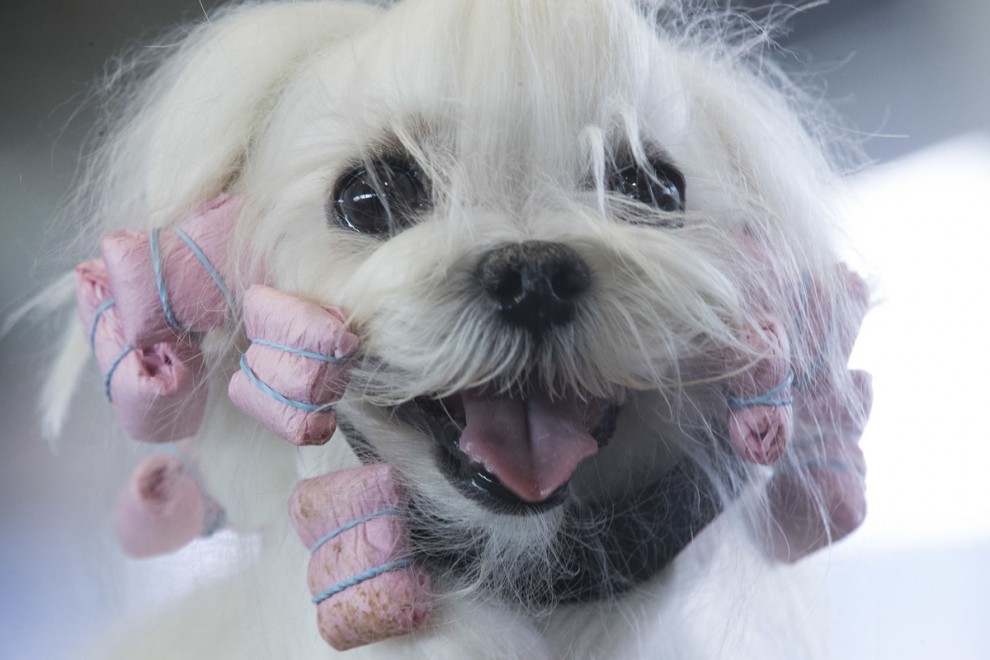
x=515 y=109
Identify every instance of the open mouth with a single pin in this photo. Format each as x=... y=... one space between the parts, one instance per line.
x=514 y=452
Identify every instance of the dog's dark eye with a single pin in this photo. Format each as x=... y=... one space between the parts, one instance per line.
x=663 y=188
x=379 y=198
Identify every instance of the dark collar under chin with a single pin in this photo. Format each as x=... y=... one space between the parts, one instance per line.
x=601 y=550
x=610 y=548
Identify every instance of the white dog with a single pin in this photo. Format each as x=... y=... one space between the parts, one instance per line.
x=588 y=256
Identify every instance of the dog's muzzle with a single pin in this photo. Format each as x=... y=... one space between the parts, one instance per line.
x=517 y=449
x=513 y=444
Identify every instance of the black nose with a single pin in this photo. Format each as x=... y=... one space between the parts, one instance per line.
x=535 y=283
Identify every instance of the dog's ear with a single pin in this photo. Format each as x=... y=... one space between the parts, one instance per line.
x=188 y=128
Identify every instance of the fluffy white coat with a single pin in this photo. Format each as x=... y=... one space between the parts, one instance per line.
x=517 y=111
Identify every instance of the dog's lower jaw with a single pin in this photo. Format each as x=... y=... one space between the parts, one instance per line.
x=599 y=549
x=568 y=549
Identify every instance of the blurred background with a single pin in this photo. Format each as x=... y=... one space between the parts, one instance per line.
x=910 y=77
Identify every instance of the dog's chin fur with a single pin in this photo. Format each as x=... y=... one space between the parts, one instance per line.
x=516 y=112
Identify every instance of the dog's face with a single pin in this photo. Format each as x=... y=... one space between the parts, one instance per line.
x=548 y=223
x=537 y=221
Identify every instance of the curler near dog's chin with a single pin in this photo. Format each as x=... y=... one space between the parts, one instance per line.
x=364 y=583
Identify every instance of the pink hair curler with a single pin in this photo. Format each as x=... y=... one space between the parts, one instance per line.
x=156 y=391
x=361 y=575
x=760 y=419
x=826 y=328
x=294 y=370
x=810 y=516
x=164 y=507
x=819 y=498
x=808 y=519
x=172 y=282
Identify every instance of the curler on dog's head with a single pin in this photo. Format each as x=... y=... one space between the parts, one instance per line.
x=760 y=423
x=827 y=328
x=147 y=305
x=157 y=391
x=821 y=498
x=807 y=519
x=793 y=391
x=171 y=283
x=295 y=369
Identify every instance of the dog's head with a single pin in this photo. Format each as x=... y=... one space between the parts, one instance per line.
x=553 y=226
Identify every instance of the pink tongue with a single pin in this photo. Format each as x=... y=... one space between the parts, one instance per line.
x=533 y=446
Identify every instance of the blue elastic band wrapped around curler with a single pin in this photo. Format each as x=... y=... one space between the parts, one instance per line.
x=156 y=265
x=330 y=359
x=768 y=398
x=358 y=579
x=278 y=396
x=104 y=306
x=113 y=367
x=209 y=267
x=351 y=525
